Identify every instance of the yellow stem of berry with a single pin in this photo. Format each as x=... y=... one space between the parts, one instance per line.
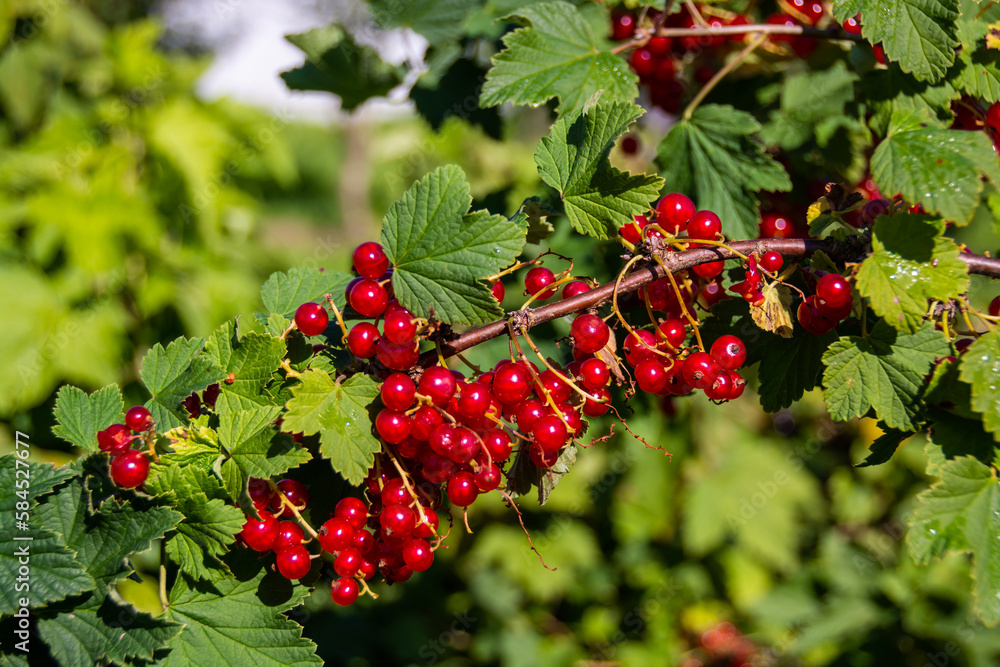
x=534 y=374
x=680 y=301
x=564 y=378
x=285 y=502
x=340 y=318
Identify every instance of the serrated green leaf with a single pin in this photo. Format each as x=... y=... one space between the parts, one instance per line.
x=339 y=413
x=890 y=90
x=911 y=262
x=437 y=20
x=549 y=478
x=884 y=371
x=255 y=445
x=556 y=55
x=884 y=447
x=573 y=159
x=974 y=21
x=939 y=168
x=283 y=292
x=533 y=216
x=980 y=367
x=716 y=158
x=957 y=436
x=789 y=367
x=442 y=254
x=171 y=374
x=237 y=620
x=55 y=571
x=337 y=64
x=809 y=98
x=918 y=34
x=252 y=358
x=961 y=512
x=979 y=74
x=81 y=416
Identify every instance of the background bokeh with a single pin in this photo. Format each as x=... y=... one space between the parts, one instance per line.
x=153 y=171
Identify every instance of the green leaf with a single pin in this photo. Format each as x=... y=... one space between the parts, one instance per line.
x=437 y=20
x=961 y=512
x=171 y=375
x=884 y=371
x=884 y=447
x=573 y=159
x=339 y=413
x=209 y=525
x=789 y=367
x=252 y=358
x=238 y=620
x=249 y=436
x=55 y=571
x=890 y=90
x=81 y=416
x=533 y=216
x=337 y=64
x=979 y=73
x=549 y=478
x=957 y=436
x=911 y=262
x=918 y=34
x=980 y=367
x=442 y=254
x=808 y=99
x=716 y=158
x=556 y=55
x=939 y=168
x=283 y=292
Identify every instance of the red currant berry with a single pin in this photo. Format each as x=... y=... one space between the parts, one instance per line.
x=362 y=340
x=811 y=319
x=771 y=261
x=498 y=444
x=700 y=370
x=643 y=62
x=499 y=292
x=993 y=118
x=399 y=326
x=632 y=232
x=709 y=270
x=994 y=307
x=352 y=510
x=589 y=332
x=511 y=384
x=487 y=478
x=729 y=351
x=423 y=423
x=810 y=11
x=672 y=334
x=575 y=288
x=370 y=260
x=114 y=439
x=392 y=426
x=290 y=534
x=395 y=356
x=529 y=412
x=651 y=376
x=398 y=392
x=660 y=46
x=595 y=374
x=368 y=298
x=834 y=290
x=540 y=458
x=394 y=492
x=704 y=225
x=260 y=493
x=630 y=145
x=736 y=385
x=597 y=408
x=638 y=346
x=622 y=26
x=398 y=520
x=852 y=26
x=427 y=527
x=474 y=401
x=348 y=562
x=260 y=535
x=417 y=554
x=721 y=388
x=555 y=386
x=437 y=468
x=311 y=319
x=537 y=279
x=138 y=419
x=293 y=562
x=345 y=591
x=438 y=384
x=673 y=212
x=295 y=492
x=549 y=433
x=130 y=469
x=467 y=445
x=462 y=490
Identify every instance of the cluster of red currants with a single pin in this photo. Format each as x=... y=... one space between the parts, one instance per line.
x=129 y=467
x=832 y=302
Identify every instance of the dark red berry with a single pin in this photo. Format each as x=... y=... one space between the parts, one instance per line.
x=293 y=562
x=643 y=62
x=709 y=270
x=593 y=408
x=345 y=591
x=395 y=356
x=438 y=384
x=529 y=412
x=487 y=478
x=462 y=490
x=138 y=419
x=771 y=261
x=549 y=433
x=260 y=535
x=671 y=334
x=994 y=307
x=399 y=326
x=595 y=373
x=260 y=493
x=639 y=346
x=834 y=290
x=537 y=279
x=704 y=225
x=114 y=439
x=590 y=333
x=575 y=288
x=498 y=291
x=348 y=562
x=622 y=26
x=651 y=376
x=130 y=469
x=775 y=226
x=335 y=535
x=511 y=383
x=700 y=370
x=498 y=444
x=362 y=340
x=630 y=145
x=417 y=554
x=370 y=260
x=632 y=232
x=392 y=426
x=311 y=319
x=729 y=351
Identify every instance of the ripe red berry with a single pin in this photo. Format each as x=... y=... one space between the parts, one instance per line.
x=498 y=444
x=597 y=408
x=771 y=261
x=549 y=433
x=622 y=26
x=811 y=319
x=993 y=118
x=138 y=419
x=660 y=46
x=638 y=346
x=575 y=288
x=595 y=373
x=632 y=232
x=399 y=326
x=529 y=412
x=555 y=386
x=293 y=562
x=296 y=493
x=290 y=534
x=438 y=384
x=511 y=384
x=398 y=520
x=474 y=400
x=428 y=526
x=671 y=334
x=398 y=392
x=499 y=292
x=700 y=370
x=348 y=562
x=709 y=270
x=394 y=492
x=810 y=11
x=362 y=340
x=643 y=62
x=311 y=319
x=114 y=439
x=487 y=478
x=345 y=591
x=994 y=307
x=368 y=298
x=729 y=351
x=651 y=376
x=417 y=554
x=537 y=279
x=370 y=260
x=392 y=426
x=721 y=388
x=590 y=333
x=260 y=493
x=630 y=145
x=462 y=490
x=395 y=356
x=834 y=289
x=673 y=212
x=423 y=423
x=130 y=469
x=336 y=534
x=852 y=26
x=260 y=535
x=540 y=458
x=736 y=385
x=704 y=225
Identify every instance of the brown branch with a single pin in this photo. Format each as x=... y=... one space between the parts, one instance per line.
x=793 y=249
x=767 y=28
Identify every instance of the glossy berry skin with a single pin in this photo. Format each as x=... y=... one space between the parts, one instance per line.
x=700 y=370
x=590 y=333
x=335 y=535
x=736 y=385
x=395 y=356
x=671 y=334
x=575 y=288
x=540 y=458
x=114 y=439
x=462 y=489
x=394 y=492
x=549 y=433
x=296 y=493
x=622 y=26
x=293 y=562
x=834 y=289
x=348 y=562
x=637 y=346
x=651 y=376
x=398 y=520
x=994 y=307
x=362 y=340
x=138 y=419
x=392 y=426
x=498 y=444
x=555 y=386
x=399 y=326
x=487 y=478
x=290 y=534
x=428 y=526
x=499 y=292
x=771 y=261
x=398 y=392
x=673 y=212
x=511 y=384
x=643 y=62
x=537 y=279
x=597 y=408
x=704 y=225
x=437 y=383
x=809 y=11
x=352 y=510
x=632 y=232
x=260 y=535
x=311 y=319
x=729 y=351
x=595 y=374
x=423 y=423
x=370 y=260
x=529 y=412
x=811 y=319
x=368 y=298
x=345 y=591
x=709 y=270
x=260 y=493
x=130 y=469
x=417 y=554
